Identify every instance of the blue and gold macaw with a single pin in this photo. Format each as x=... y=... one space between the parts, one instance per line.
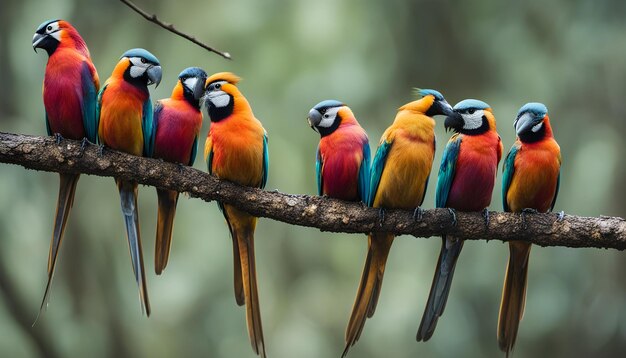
x=399 y=178
x=125 y=124
x=530 y=182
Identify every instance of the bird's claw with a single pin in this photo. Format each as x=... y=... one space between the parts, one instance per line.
x=561 y=216
x=523 y=214
x=453 y=214
x=486 y=217
x=83 y=146
x=418 y=214
x=381 y=216
x=181 y=168
x=100 y=150
x=58 y=138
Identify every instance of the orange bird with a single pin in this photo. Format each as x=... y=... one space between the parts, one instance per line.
x=236 y=150
x=399 y=178
x=530 y=183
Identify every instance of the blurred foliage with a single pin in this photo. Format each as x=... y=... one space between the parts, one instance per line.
x=369 y=54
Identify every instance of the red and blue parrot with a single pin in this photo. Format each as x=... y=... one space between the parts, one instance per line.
x=236 y=150
x=530 y=183
x=399 y=178
x=176 y=126
x=466 y=177
x=125 y=124
x=343 y=155
x=70 y=87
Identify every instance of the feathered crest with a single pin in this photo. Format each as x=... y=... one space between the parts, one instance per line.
x=223 y=76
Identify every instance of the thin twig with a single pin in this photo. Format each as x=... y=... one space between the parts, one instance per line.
x=170 y=27
x=326 y=214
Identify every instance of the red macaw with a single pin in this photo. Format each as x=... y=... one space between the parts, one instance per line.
x=125 y=114
x=236 y=150
x=465 y=182
x=399 y=178
x=530 y=182
x=69 y=95
x=343 y=155
x=176 y=127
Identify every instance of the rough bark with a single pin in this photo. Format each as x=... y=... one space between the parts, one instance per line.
x=326 y=214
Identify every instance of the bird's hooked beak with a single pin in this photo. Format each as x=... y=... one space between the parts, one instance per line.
x=454 y=121
x=526 y=122
x=314 y=119
x=154 y=75
x=37 y=38
x=446 y=108
x=198 y=89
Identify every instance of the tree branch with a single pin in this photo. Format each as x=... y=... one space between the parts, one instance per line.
x=170 y=27
x=326 y=214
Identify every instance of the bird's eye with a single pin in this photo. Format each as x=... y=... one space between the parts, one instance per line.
x=471 y=111
x=49 y=28
x=326 y=115
x=143 y=60
x=218 y=86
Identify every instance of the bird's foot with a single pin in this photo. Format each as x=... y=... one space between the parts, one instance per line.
x=418 y=214
x=453 y=214
x=486 y=217
x=181 y=168
x=58 y=138
x=100 y=150
x=83 y=146
x=561 y=216
x=381 y=216
x=523 y=214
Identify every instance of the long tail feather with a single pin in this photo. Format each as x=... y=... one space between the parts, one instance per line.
x=513 y=295
x=440 y=289
x=67 y=189
x=165 y=225
x=369 y=287
x=128 y=196
x=245 y=246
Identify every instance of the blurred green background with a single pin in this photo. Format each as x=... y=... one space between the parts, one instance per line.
x=570 y=55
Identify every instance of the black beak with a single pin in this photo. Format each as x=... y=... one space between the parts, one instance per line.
x=454 y=121
x=314 y=118
x=198 y=90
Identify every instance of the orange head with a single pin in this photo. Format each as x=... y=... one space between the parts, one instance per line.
x=222 y=97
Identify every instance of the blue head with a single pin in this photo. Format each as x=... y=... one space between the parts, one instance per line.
x=324 y=117
x=471 y=117
x=529 y=123
x=144 y=67
x=439 y=106
x=192 y=80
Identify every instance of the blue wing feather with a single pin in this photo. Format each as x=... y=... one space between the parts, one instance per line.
x=194 y=152
x=378 y=164
x=319 y=164
x=147 y=128
x=266 y=162
x=98 y=107
x=447 y=170
x=89 y=94
x=509 y=171
x=364 y=173
x=154 y=126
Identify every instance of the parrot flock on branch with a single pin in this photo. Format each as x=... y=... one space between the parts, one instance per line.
x=120 y=116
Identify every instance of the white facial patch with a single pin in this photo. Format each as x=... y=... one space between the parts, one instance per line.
x=474 y=120
x=190 y=83
x=329 y=117
x=138 y=68
x=537 y=127
x=219 y=98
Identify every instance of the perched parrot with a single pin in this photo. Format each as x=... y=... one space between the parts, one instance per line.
x=343 y=155
x=530 y=183
x=399 y=178
x=176 y=126
x=125 y=124
x=465 y=182
x=69 y=94
x=236 y=150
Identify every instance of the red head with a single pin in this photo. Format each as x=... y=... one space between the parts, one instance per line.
x=54 y=34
